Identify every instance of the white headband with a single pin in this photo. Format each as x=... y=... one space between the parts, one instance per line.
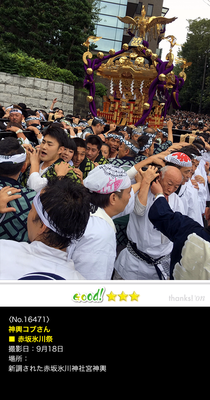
x=99 y=121
x=32 y=118
x=198 y=158
x=165 y=134
x=114 y=136
x=137 y=132
x=202 y=151
x=43 y=215
x=16 y=110
x=151 y=135
x=15 y=159
x=107 y=178
x=131 y=146
x=146 y=146
x=42 y=116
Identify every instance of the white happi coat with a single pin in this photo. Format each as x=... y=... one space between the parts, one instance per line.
x=202 y=194
x=94 y=254
x=19 y=259
x=200 y=170
x=148 y=240
x=189 y=197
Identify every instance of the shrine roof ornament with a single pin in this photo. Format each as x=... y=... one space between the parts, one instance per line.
x=140 y=25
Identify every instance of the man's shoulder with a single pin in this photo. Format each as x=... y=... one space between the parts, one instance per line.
x=29 y=193
x=25 y=191
x=50 y=173
x=88 y=163
x=176 y=203
x=6 y=181
x=98 y=231
x=162 y=147
x=101 y=160
x=7 y=246
x=139 y=158
x=124 y=163
x=116 y=161
x=24 y=203
x=88 y=129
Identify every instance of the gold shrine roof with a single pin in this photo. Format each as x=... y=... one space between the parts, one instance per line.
x=128 y=66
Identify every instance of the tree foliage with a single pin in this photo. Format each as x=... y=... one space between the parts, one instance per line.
x=197 y=50
x=49 y=30
x=101 y=90
x=20 y=63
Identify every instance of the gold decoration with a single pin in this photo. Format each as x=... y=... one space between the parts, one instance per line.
x=90 y=99
x=91 y=39
x=87 y=44
x=170 y=80
x=148 y=52
x=136 y=42
x=154 y=57
x=170 y=57
x=174 y=96
x=146 y=106
x=162 y=77
x=112 y=52
x=124 y=67
x=172 y=40
x=140 y=47
x=89 y=71
x=122 y=60
x=139 y=61
x=125 y=46
x=140 y=25
x=100 y=54
x=133 y=56
x=185 y=65
x=184 y=61
x=85 y=55
x=183 y=75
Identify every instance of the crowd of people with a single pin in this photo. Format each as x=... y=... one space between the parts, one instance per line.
x=186 y=120
x=84 y=199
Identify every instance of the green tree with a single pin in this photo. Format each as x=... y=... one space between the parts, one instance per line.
x=49 y=30
x=101 y=89
x=197 y=50
x=22 y=64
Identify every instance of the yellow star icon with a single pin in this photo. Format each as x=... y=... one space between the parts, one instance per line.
x=123 y=296
x=134 y=296
x=111 y=296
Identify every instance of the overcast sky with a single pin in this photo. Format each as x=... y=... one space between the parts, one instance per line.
x=183 y=9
